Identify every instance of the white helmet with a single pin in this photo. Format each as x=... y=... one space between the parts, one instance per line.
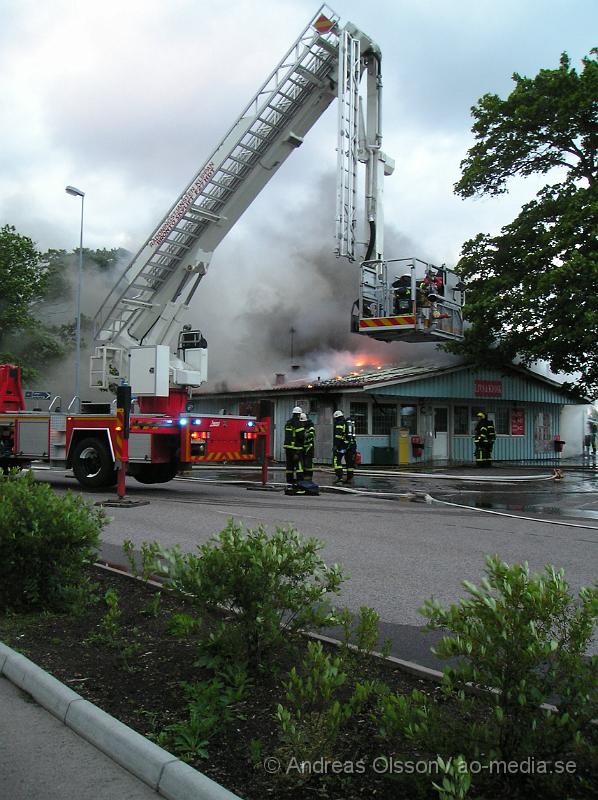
x=303 y=417
x=337 y=414
x=297 y=410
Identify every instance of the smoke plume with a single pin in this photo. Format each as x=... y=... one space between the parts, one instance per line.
x=280 y=302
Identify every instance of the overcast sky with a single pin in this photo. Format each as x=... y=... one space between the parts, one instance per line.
x=125 y=99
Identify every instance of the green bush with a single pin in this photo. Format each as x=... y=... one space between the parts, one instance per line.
x=456 y=780
x=45 y=541
x=272 y=585
x=311 y=724
x=359 y=634
x=522 y=639
x=212 y=706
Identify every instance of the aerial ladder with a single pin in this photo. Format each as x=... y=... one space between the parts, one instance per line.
x=146 y=310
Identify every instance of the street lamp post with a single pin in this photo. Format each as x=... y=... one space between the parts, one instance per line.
x=78 y=193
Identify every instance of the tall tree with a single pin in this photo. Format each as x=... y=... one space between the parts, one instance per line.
x=533 y=289
x=21 y=278
x=37 y=324
x=23 y=282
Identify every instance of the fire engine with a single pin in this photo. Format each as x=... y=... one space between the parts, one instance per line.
x=140 y=334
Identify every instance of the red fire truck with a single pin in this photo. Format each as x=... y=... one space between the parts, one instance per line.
x=160 y=445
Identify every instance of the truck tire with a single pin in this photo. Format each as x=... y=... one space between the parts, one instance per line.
x=92 y=464
x=155 y=473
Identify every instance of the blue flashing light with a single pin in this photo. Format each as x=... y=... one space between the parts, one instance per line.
x=168 y=422
x=183 y=420
x=197 y=422
x=250 y=424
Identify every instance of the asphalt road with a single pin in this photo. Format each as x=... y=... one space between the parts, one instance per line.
x=396 y=553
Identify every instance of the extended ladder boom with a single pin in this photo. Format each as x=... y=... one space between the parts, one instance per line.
x=360 y=140
x=147 y=305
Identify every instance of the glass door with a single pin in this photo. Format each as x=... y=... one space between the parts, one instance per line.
x=440 y=439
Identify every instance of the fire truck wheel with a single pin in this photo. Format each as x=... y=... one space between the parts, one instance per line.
x=92 y=464
x=155 y=473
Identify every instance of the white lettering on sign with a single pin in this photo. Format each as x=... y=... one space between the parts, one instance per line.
x=483 y=388
x=181 y=207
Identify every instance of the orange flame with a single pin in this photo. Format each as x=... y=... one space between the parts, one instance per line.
x=365 y=361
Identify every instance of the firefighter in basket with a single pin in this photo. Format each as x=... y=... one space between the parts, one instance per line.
x=429 y=292
x=403 y=302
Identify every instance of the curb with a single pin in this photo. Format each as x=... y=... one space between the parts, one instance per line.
x=156 y=767
x=412 y=667
x=417 y=670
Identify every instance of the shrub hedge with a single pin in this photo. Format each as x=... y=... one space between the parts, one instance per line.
x=45 y=541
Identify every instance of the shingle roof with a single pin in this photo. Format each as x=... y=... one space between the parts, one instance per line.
x=358 y=380
x=384 y=375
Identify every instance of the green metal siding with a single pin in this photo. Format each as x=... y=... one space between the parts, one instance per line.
x=460 y=384
x=445 y=389
x=512 y=448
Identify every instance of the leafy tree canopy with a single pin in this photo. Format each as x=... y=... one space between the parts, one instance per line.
x=532 y=289
x=21 y=277
x=37 y=313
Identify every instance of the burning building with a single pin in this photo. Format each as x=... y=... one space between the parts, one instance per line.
x=410 y=414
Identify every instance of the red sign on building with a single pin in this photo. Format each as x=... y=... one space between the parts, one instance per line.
x=487 y=388
x=517 y=422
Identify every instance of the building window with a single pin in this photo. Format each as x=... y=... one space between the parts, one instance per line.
x=518 y=422
x=501 y=420
x=358 y=412
x=461 y=420
x=409 y=418
x=542 y=432
x=507 y=422
x=384 y=418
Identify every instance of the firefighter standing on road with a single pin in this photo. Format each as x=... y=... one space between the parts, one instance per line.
x=351 y=450
x=294 y=437
x=309 y=440
x=483 y=437
x=343 y=446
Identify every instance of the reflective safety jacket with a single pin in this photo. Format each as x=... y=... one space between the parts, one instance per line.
x=294 y=434
x=310 y=437
x=340 y=432
x=484 y=432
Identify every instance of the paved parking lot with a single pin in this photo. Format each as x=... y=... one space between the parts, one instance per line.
x=396 y=553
